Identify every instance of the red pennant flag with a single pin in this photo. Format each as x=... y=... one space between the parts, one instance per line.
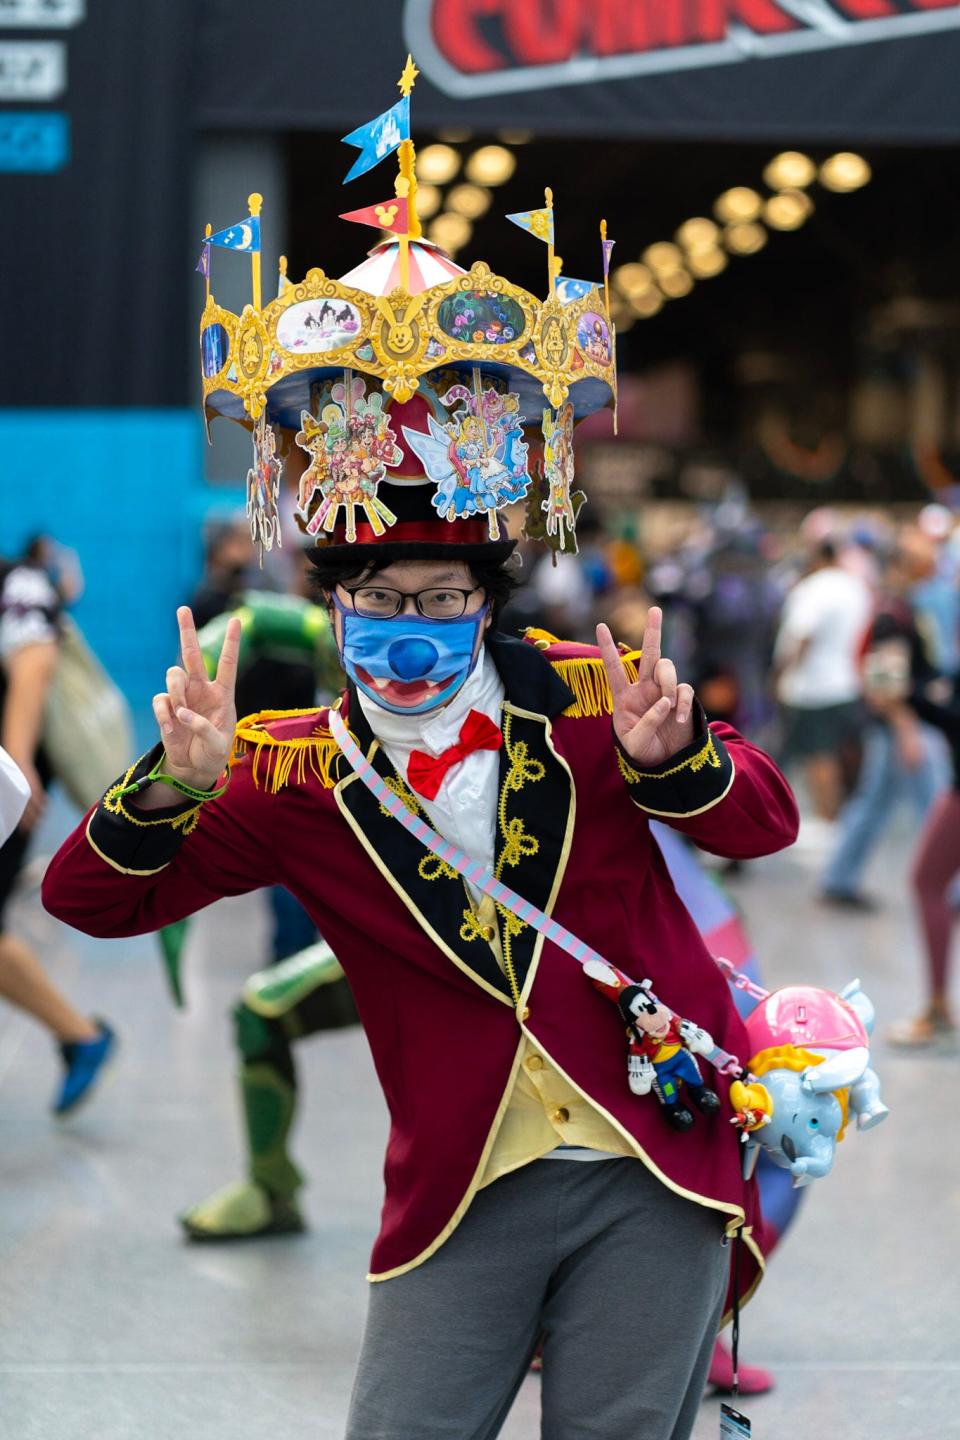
x=388 y=215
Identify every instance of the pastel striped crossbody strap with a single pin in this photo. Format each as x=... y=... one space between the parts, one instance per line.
x=478 y=874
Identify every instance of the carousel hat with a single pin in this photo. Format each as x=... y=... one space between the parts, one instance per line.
x=409 y=384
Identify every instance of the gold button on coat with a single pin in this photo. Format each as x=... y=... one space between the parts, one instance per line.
x=535 y=1062
x=488 y=932
x=561 y=1116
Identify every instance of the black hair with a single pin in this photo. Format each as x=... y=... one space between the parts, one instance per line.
x=495 y=577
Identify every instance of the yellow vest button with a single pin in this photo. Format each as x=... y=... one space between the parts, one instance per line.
x=488 y=932
x=525 y=1013
x=535 y=1062
x=561 y=1116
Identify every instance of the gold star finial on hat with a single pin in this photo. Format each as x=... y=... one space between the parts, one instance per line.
x=407 y=79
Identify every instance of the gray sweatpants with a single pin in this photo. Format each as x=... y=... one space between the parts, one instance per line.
x=623 y=1279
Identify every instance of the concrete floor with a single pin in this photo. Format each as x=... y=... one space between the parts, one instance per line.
x=111 y=1328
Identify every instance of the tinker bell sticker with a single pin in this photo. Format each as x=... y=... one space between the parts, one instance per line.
x=478 y=460
x=263 y=488
x=558 y=472
x=351 y=446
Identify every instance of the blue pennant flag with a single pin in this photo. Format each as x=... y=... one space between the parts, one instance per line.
x=568 y=289
x=379 y=137
x=203 y=265
x=244 y=236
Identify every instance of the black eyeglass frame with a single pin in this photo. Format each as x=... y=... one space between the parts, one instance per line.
x=413 y=595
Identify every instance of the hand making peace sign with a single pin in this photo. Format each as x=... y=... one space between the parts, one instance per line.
x=653 y=717
x=197 y=716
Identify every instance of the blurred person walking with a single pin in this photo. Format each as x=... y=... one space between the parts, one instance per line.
x=818 y=682
x=935 y=866
x=902 y=758
x=228 y=570
x=29 y=644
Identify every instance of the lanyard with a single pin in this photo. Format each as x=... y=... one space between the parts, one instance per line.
x=484 y=879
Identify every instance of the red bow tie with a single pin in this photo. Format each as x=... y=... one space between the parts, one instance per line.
x=425 y=772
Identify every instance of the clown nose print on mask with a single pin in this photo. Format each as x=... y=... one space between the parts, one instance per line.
x=409 y=664
x=413 y=657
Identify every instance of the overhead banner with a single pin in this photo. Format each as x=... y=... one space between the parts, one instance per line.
x=763 y=70
x=497 y=47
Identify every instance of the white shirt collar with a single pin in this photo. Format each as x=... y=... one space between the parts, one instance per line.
x=482 y=690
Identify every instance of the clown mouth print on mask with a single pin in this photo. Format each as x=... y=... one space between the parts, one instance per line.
x=409 y=664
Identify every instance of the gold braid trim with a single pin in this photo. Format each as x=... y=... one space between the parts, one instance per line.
x=707 y=755
x=280 y=762
x=587 y=679
x=113 y=804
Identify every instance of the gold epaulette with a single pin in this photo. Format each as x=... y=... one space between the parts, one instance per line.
x=277 y=758
x=583 y=674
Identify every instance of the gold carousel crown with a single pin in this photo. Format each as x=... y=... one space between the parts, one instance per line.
x=406 y=311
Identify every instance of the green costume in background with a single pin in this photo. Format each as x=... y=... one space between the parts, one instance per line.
x=298 y=996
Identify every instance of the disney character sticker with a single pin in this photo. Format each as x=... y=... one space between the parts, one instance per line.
x=558 y=470
x=263 y=488
x=593 y=338
x=351 y=446
x=478 y=460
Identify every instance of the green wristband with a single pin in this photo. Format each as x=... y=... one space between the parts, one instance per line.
x=180 y=785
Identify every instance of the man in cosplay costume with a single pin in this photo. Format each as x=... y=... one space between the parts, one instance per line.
x=529 y=1192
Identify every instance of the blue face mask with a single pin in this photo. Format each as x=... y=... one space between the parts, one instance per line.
x=409 y=649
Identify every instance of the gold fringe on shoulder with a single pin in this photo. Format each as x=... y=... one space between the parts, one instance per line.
x=585 y=675
x=278 y=762
x=587 y=679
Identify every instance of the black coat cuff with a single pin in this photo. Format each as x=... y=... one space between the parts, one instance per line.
x=139 y=842
x=691 y=781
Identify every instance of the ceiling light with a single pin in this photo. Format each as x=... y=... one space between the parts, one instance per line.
x=745 y=238
x=788 y=210
x=515 y=137
x=455 y=135
x=740 y=203
x=663 y=257
x=698 y=233
x=632 y=278
x=449 y=231
x=491 y=165
x=470 y=200
x=844 y=172
x=646 y=304
x=437 y=164
x=428 y=200
x=707 y=263
x=790 y=170
x=676 y=284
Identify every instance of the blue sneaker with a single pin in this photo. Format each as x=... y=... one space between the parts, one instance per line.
x=86 y=1061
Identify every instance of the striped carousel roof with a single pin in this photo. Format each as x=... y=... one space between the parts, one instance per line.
x=380 y=272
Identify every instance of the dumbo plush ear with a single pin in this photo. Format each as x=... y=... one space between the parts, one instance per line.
x=860 y=1004
x=838 y=1072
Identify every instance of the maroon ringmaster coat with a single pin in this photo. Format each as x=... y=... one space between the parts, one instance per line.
x=443 y=1021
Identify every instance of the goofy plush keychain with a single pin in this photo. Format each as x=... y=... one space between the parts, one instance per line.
x=660 y=1046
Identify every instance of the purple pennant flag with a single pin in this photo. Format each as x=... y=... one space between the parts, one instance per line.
x=203 y=265
x=607 y=251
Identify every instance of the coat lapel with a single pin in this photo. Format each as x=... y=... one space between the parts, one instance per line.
x=535 y=813
x=534 y=827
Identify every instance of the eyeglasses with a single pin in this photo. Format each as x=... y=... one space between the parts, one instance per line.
x=439 y=603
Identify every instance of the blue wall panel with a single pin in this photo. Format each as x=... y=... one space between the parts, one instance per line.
x=124 y=488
